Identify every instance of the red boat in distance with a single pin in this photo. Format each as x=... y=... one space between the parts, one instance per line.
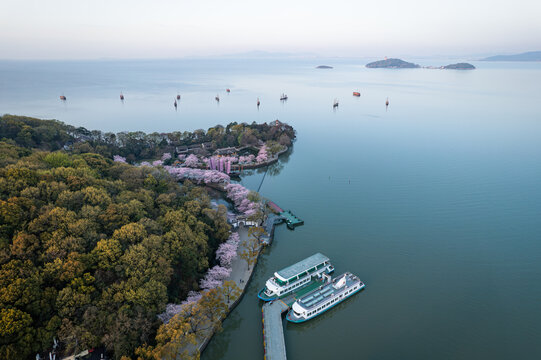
x=62 y=97
x=355 y=93
x=178 y=97
x=121 y=96
x=228 y=90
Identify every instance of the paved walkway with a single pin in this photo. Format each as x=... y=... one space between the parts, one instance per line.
x=240 y=274
x=273 y=332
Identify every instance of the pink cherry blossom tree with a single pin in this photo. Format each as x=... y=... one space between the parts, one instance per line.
x=246 y=159
x=227 y=251
x=262 y=156
x=120 y=159
x=166 y=156
x=214 y=277
x=191 y=161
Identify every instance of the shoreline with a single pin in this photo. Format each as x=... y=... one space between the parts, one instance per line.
x=246 y=277
x=241 y=277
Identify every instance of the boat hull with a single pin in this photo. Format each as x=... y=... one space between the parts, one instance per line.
x=261 y=295
x=292 y=319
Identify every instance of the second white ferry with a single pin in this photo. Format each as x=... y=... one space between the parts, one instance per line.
x=324 y=298
x=295 y=277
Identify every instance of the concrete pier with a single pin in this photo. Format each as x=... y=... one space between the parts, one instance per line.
x=273 y=332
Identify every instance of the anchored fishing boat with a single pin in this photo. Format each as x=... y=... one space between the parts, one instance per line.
x=62 y=97
x=121 y=96
x=217 y=98
x=178 y=96
x=335 y=104
x=283 y=97
x=356 y=93
x=295 y=277
x=228 y=90
x=325 y=297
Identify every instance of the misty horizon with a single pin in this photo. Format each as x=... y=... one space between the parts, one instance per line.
x=59 y=29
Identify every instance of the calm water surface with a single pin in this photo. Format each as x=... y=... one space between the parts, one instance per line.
x=435 y=202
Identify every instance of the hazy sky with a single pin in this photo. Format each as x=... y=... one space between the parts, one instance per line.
x=61 y=29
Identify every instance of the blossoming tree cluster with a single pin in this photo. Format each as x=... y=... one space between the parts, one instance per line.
x=213 y=279
x=191 y=161
x=262 y=156
x=246 y=159
x=227 y=251
x=239 y=195
x=120 y=159
x=198 y=175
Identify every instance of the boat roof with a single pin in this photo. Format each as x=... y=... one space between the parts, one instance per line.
x=301 y=266
x=315 y=297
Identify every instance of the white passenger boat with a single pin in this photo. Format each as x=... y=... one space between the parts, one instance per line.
x=295 y=277
x=325 y=297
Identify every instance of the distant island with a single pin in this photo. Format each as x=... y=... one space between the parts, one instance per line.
x=324 y=67
x=392 y=64
x=459 y=66
x=527 y=56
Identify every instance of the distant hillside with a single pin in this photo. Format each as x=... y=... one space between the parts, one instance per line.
x=527 y=56
x=324 y=67
x=460 y=66
x=392 y=64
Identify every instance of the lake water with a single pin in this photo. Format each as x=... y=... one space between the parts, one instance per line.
x=434 y=202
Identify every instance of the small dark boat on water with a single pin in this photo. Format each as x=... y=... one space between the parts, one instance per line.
x=121 y=96
x=335 y=105
x=387 y=102
x=258 y=102
x=175 y=104
x=62 y=97
x=228 y=90
x=283 y=97
x=217 y=98
x=178 y=97
x=356 y=93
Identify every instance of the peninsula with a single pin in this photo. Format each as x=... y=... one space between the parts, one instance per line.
x=324 y=67
x=144 y=262
x=527 y=56
x=392 y=64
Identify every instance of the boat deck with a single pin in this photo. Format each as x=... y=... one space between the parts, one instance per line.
x=318 y=296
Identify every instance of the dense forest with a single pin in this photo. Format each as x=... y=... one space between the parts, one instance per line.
x=91 y=250
x=54 y=135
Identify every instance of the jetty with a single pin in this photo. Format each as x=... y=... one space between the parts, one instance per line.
x=273 y=332
x=291 y=220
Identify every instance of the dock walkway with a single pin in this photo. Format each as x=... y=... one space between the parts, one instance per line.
x=291 y=220
x=273 y=332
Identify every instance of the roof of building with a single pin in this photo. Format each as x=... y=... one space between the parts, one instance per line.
x=274 y=207
x=301 y=266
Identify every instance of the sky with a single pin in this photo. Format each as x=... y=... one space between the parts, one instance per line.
x=94 y=29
